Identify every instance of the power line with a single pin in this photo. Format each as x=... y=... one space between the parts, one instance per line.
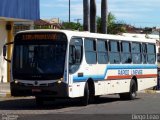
x=69 y=11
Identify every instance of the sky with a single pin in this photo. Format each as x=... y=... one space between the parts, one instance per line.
x=139 y=13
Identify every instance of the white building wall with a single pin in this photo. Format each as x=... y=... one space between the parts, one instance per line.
x=3 y=63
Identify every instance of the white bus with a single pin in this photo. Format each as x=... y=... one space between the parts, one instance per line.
x=70 y=64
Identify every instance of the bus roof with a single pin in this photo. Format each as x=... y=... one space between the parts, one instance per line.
x=87 y=34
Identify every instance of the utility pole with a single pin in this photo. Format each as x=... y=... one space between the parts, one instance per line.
x=159 y=33
x=69 y=11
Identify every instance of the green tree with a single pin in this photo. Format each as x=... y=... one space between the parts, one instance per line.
x=113 y=26
x=72 y=26
x=111 y=22
x=99 y=24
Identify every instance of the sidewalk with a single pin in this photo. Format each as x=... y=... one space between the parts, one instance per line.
x=5 y=90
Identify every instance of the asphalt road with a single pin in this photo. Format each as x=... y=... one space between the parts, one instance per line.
x=109 y=107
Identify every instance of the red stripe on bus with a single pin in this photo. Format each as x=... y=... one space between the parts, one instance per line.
x=130 y=76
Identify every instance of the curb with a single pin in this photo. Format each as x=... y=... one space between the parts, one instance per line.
x=151 y=91
x=158 y=91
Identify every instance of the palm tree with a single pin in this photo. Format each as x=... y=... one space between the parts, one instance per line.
x=93 y=27
x=85 y=15
x=104 y=16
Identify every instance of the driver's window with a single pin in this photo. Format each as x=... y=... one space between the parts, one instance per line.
x=75 y=54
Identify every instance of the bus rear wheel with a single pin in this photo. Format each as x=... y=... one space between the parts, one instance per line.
x=131 y=95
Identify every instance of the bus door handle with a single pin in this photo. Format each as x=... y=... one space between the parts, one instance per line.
x=80 y=74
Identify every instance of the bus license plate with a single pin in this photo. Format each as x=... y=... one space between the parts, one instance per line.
x=36 y=90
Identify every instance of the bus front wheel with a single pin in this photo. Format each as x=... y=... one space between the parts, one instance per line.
x=85 y=98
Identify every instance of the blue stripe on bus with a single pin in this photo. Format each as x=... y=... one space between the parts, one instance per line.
x=111 y=67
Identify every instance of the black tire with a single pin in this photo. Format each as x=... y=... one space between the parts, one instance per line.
x=132 y=94
x=85 y=98
x=39 y=101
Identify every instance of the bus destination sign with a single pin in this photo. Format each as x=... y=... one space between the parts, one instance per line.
x=39 y=36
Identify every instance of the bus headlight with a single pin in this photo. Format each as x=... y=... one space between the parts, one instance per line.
x=60 y=80
x=15 y=81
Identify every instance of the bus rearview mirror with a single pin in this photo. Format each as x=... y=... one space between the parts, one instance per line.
x=4 y=50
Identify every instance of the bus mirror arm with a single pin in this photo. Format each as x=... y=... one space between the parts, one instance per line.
x=5 y=51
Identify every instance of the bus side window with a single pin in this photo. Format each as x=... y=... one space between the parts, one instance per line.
x=102 y=51
x=114 y=55
x=151 y=53
x=90 y=51
x=75 y=54
x=136 y=53
x=126 y=53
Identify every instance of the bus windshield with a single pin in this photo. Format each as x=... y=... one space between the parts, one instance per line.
x=41 y=59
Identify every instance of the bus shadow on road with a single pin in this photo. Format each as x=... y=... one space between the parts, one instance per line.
x=30 y=104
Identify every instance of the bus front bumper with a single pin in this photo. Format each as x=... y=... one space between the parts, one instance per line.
x=57 y=90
